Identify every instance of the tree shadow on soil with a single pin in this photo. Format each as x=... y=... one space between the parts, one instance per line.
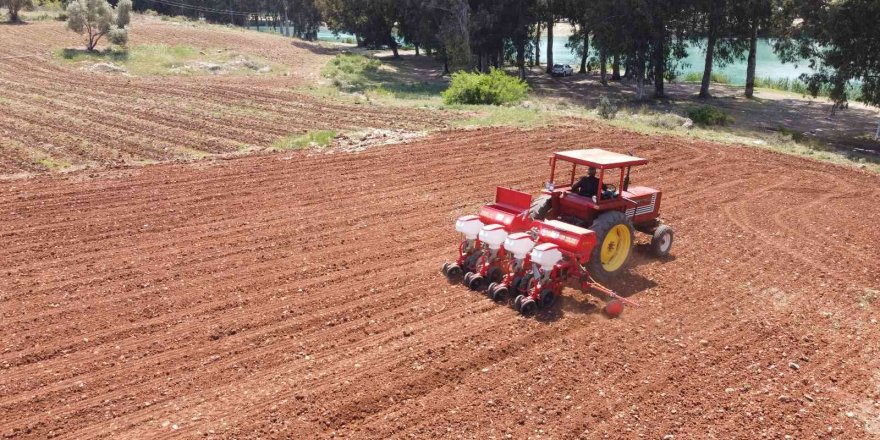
x=315 y=47
x=72 y=53
x=810 y=117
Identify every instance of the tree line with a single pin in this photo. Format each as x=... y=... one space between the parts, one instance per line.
x=643 y=40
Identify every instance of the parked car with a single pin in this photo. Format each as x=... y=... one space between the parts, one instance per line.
x=562 y=70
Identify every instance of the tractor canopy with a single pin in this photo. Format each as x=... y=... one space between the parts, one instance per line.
x=601 y=160
x=598 y=158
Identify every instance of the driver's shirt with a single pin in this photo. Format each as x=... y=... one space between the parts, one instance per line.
x=587 y=186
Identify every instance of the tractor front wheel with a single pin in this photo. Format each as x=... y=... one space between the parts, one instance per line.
x=615 y=238
x=661 y=241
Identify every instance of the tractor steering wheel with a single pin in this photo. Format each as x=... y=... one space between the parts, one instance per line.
x=610 y=187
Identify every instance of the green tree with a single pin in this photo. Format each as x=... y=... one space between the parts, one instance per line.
x=721 y=22
x=758 y=18
x=580 y=15
x=371 y=20
x=304 y=17
x=454 y=32
x=624 y=27
x=841 y=40
x=96 y=18
x=14 y=7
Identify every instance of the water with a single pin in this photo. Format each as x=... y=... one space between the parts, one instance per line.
x=767 y=65
x=324 y=34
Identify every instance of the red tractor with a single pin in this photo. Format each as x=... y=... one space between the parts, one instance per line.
x=578 y=229
x=614 y=212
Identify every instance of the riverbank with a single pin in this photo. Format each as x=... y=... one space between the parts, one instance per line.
x=779 y=121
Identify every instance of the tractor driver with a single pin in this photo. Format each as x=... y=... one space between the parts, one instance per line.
x=588 y=185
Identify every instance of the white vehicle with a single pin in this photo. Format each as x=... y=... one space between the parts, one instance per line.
x=562 y=70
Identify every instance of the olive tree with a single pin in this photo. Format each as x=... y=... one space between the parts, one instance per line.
x=96 y=18
x=14 y=6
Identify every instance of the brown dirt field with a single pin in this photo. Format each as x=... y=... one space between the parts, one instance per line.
x=54 y=115
x=298 y=295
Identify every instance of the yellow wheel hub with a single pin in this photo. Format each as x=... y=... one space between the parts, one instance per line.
x=615 y=247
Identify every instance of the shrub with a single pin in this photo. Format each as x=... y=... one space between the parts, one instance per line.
x=696 y=77
x=349 y=72
x=150 y=13
x=606 y=109
x=669 y=121
x=496 y=88
x=709 y=116
x=796 y=136
x=319 y=138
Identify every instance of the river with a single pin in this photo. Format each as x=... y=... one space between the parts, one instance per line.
x=768 y=65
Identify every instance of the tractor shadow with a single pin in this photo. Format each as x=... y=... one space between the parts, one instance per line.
x=644 y=254
x=580 y=302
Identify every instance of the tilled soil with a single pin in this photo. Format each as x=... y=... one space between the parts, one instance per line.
x=298 y=295
x=56 y=116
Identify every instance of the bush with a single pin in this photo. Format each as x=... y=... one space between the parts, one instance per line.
x=796 y=136
x=496 y=88
x=695 y=77
x=150 y=13
x=349 y=72
x=669 y=121
x=320 y=138
x=606 y=109
x=795 y=85
x=709 y=116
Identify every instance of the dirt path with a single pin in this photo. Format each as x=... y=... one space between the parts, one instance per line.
x=299 y=295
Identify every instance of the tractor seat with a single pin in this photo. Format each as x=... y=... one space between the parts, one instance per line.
x=608 y=194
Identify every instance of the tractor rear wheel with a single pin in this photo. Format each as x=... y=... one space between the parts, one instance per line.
x=540 y=207
x=661 y=241
x=615 y=238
